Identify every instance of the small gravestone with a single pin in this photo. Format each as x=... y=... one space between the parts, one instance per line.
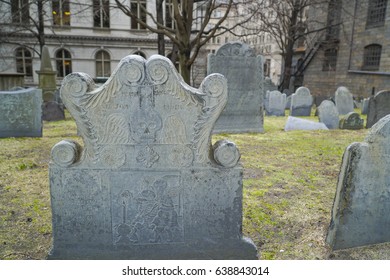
x=364 y=106
x=301 y=102
x=244 y=73
x=351 y=121
x=52 y=110
x=378 y=107
x=21 y=113
x=328 y=114
x=147 y=184
x=288 y=102
x=344 y=101
x=275 y=103
x=294 y=123
x=269 y=85
x=319 y=99
x=361 y=208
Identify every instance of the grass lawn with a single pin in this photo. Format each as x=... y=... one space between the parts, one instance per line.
x=289 y=185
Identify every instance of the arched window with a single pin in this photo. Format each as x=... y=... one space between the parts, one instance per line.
x=63 y=63
x=376 y=13
x=24 y=61
x=140 y=54
x=372 y=57
x=103 y=68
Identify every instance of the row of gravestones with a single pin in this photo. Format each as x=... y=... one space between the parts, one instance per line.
x=148 y=184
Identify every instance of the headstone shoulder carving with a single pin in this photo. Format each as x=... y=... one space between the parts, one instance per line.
x=20 y=113
x=361 y=208
x=351 y=121
x=147 y=184
x=244 y=73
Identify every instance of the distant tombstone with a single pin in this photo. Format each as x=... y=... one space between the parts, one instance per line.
x=294 y=123
x=288 y=102
x=301 y=102
x=378 y=107
x=20 y=113
x=276 y=103
x=269 y=85
x=52 y=111
x=364 y=106
x=147 y=184
x=351 y=121
x=328 y=114
x=318 y=100
x=244 y=73
x=361 y=208
x=344 y=101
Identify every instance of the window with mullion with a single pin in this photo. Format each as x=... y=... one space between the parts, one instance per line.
x=376 y=13
x=20 y=11
x=24 y=61
x=138 y=7
x=101 y=13
x=63 y=63
x=372 y=57
x=61 y=12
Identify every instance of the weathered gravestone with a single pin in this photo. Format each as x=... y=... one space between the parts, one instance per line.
x=378 y=107
x=294 y=123
x=275 y=103
x=364 y=106
x=147 y=184
x=269 y=85
x=51 y=109
x=351 y=121
x=301 y=102
x=344 y=101
x=244 y=73
x=328 y=114
x=21 y=113
x=361 y=208
x=288 y=102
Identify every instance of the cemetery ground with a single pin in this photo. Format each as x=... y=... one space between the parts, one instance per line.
x=289 y=185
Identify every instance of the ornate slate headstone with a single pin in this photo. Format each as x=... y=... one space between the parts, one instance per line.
x=361 y=208
x=275 y=103
x=351 y=121
x=344 y=100
x=21 y=113
x=328 y=114
x=378 y=107
x=147 y=184
x=301 y=102
x=244 y=73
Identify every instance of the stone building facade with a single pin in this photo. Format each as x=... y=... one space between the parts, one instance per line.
x=352 y=51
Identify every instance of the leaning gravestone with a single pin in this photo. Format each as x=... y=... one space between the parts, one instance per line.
x=344 y=101
x=328 y=114
x=20 y=113
x=244 y=73
x=301 y=102
x=351 y=121
x=364 y=106
x=147 y=184
x=378 y=107
x=275 y=103
x=361 y=208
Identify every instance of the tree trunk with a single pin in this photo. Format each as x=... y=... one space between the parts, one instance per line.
x=160 y=20
x=185 y=68
x=41 y=27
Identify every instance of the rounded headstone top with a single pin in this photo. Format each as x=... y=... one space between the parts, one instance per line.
x=235 y=49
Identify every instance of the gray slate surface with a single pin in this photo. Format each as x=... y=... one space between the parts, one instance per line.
x=344 y=100
x=301 y=102
x=361 y=208
x=328 y=114
x=294 y=123
x=378 y=107
x=21 y=113
x=147 y=184
x=244 y=73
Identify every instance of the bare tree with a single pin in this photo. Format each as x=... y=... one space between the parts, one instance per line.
x=194 y=25
x=287 y=23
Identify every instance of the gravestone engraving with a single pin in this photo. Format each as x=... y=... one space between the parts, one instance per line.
x=275 y=103
x=147 y=184
x=361 y=208
x=378 y=107
x=328 y=114
x=351 y=121
x=344 y=100
x=294 y=123
x=301 y=102
x=21 y=113
x=244 y=73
